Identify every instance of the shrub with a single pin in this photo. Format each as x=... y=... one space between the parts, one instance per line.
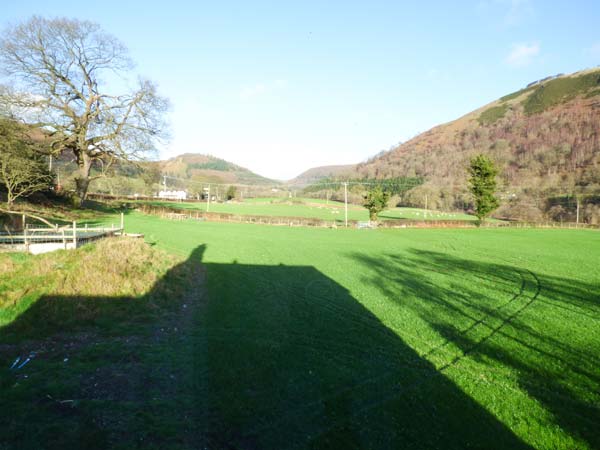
x=492 y=115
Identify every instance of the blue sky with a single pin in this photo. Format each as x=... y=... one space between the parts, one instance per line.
x=280 y=87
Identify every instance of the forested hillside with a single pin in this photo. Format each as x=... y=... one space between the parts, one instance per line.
x=545 y=139
x=200 y=167
x=317 y=174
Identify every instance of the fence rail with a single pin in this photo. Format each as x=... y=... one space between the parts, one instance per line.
x=172 y=213
x=41 y=239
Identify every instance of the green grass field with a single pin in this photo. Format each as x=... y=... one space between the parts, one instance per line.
x=313 y=208
x=321 y=338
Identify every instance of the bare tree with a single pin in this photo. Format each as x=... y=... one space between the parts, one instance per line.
x=64 y=77
x=22 y=169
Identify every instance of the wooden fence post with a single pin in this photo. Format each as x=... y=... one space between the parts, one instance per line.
x=74 y=235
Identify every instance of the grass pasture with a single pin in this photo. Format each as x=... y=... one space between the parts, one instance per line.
x=314 y=209
x=320 y=338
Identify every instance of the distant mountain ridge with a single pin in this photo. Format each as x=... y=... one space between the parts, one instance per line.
x=316 y=174
x=187 y=171
x=207 y=168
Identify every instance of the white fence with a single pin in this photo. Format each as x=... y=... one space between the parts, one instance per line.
x=46 y=239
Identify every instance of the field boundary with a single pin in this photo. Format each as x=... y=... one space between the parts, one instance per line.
x=181 y=214
x=174 y=213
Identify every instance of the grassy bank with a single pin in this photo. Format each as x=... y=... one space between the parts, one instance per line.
x=93 y=334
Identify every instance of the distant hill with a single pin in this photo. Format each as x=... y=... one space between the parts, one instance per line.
x=545 y=138
x=200 y=167
x=145 y=178
x=319 y=173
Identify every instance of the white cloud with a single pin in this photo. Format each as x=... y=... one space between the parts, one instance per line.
x=523 y=54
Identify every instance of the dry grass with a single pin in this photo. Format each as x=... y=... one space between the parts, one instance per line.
x=115 y=267
x=6 y=265
x=111 y=268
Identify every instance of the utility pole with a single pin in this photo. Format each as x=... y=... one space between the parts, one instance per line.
x=577 y=220
x=50 y=163
x=165 y=182
x=346 y=203
x=425 y=205
x=208 y=199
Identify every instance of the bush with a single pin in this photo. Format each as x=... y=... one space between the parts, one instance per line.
x=375 y=201
x=492 y=115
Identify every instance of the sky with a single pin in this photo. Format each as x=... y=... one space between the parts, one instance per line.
x=280 y=87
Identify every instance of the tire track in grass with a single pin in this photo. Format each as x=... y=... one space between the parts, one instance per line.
x=403 y=389
x=399 y=389
x=388 y=333
x=481 y=321
x=375 y=325
x=494 y=330
x=321 y=344
x=372 y=323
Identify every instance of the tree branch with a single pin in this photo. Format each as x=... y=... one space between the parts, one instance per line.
x=26 y=214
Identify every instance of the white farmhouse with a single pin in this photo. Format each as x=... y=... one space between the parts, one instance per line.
x=173 y=195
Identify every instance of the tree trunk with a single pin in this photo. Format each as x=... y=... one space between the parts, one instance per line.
x=81 y=188
x=82 y=181
x=9 y=198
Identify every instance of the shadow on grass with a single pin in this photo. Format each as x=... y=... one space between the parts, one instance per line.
x=274 y=357
x=291 y=360
x=539 y=328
